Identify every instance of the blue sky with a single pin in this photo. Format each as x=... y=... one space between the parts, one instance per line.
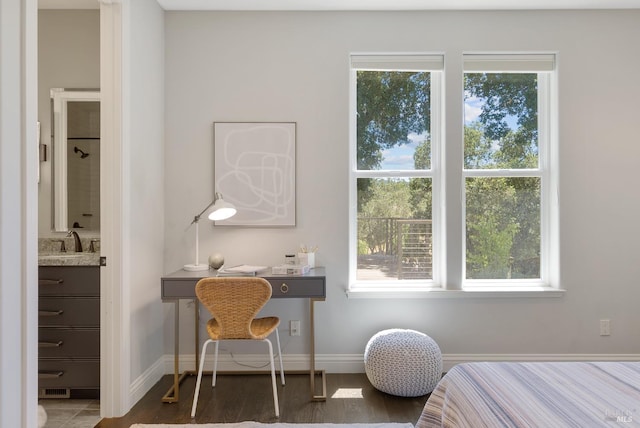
x=401 y=157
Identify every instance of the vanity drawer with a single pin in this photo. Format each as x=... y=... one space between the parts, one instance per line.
x=68 y=373
x=297 y=287
x=69 y=311
x=64 y=342
x=69 y=280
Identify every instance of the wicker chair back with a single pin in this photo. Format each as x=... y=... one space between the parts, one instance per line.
x=234 y=303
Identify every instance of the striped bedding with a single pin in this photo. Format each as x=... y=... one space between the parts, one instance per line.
x=545 y=395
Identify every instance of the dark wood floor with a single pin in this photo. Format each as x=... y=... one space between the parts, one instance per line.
x=236 y=398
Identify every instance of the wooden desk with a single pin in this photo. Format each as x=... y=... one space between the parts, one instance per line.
x=181 y=285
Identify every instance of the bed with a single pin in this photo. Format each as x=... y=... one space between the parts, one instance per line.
x=554 y=395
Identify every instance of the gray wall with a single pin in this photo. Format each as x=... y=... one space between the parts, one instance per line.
x=231 y=66
x=68 y=57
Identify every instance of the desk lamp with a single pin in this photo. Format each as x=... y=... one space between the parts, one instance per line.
x=221 y=211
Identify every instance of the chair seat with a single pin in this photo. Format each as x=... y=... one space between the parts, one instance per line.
x=260 y=327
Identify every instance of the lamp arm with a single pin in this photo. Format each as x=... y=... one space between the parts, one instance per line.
x=197 y=218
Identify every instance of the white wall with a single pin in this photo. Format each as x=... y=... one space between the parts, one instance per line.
x=18 y=215
x=143 y=157
x=278 y=66
x=68 y=57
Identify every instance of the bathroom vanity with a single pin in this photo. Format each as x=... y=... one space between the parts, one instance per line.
x=69 y=326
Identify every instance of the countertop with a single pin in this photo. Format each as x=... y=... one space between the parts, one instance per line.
x=69 y=259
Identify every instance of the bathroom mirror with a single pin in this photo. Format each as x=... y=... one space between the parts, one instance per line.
x=75 y=126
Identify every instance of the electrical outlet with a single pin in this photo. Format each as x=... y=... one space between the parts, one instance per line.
x=294 y=328
x=605 y=327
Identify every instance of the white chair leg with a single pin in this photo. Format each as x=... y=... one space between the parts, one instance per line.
x=273 y=378
x=196 y=393
x=280 y=357
x=215 y=365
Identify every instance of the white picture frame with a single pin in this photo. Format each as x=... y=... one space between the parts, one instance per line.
x=255 y=169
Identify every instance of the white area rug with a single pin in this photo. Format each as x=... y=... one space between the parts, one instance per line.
x=277 y=425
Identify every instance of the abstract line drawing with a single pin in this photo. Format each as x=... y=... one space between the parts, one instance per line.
x=255 y=169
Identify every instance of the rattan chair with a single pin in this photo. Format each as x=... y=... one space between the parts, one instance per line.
x=234 y=303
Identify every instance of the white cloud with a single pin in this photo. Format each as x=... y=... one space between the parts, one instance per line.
x=416 y=139
x=472 y=109
x=399 y=158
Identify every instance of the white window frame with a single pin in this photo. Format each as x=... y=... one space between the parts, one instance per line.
x=449 y=272
x=544 y=65
x=428 y=62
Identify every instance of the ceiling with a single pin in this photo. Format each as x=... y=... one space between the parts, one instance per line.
x=360 y=4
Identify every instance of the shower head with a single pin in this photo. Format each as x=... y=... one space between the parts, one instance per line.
x=82 y=154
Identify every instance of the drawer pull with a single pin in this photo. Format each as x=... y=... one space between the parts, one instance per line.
x=50 y=374
x=284 y=288
x=50 y=281
x=50 y=344
x=50 y=313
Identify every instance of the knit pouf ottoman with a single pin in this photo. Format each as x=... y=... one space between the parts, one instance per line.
x=400 y=362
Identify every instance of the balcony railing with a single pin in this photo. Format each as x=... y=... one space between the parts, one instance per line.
x=395 y=248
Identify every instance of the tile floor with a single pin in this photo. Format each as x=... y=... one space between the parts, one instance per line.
x=71 y=413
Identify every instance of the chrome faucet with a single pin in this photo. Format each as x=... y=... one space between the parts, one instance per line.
x=76 y=238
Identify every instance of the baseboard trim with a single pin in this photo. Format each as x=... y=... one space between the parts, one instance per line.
x=354 y=363
x=143 y=383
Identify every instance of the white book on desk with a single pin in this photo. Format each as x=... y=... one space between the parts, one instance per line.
x=241 y=270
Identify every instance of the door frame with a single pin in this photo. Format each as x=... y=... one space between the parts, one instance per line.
x=115 y=349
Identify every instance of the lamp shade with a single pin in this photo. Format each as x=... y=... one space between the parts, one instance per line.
x=222 y=210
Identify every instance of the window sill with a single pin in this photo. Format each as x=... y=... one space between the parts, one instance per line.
x=468 y=293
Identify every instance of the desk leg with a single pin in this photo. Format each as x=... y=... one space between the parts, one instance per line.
x=172 y=394
x=312 y=357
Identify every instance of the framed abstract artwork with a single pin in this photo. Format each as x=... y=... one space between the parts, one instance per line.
x=255 y=169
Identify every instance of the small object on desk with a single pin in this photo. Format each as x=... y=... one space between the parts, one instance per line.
x=308 y=249
x=288 y=269
x=307 y=255
x=241 y=270
x=290 y=259
x=307 y=259
x=216 y=261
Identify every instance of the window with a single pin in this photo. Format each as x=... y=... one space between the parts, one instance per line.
x=395 y=130
x=506 y=167
x=398 y=189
